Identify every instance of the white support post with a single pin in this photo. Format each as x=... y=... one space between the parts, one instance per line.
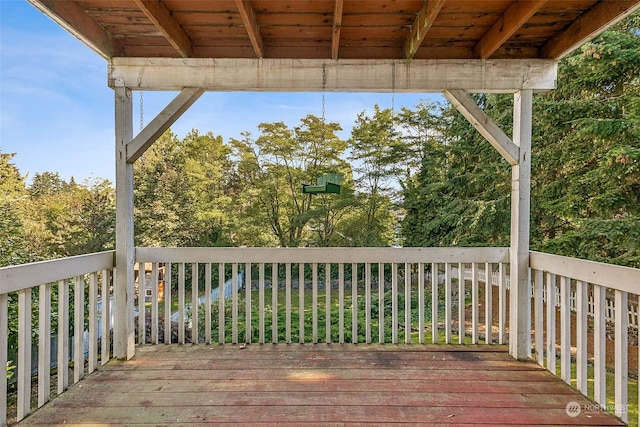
x=124 y=339
x=519 y=321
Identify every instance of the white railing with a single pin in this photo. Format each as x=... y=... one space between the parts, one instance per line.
x=349 y=295
x=599 y=288
x=42 y=293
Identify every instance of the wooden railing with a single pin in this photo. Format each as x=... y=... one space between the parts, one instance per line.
x=599 y=289
x=49 y=301
x=348 y=295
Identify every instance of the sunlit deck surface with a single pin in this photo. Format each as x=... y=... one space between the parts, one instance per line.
x=307 y=384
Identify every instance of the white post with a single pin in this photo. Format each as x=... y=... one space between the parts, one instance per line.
x=123 y=328
x=519 y=321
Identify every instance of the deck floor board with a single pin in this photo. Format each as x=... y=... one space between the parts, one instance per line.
x=329 y=385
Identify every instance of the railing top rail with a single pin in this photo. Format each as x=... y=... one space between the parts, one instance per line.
x=25 y=276
x=323 y=255
x=609 y=275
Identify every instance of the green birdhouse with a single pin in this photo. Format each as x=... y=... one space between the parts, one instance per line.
x=329 y=183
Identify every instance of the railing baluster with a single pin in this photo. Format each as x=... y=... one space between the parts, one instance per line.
x=434 y=303
x=4 y=355
x=24 y=355
x=354 y=303
x=63 y=335
x=288 y=301
x=565 y=329
x=447 y=303
x=599 y=345
x=168 y=329
x=367 y=291
x=462 y=299
x=247 y=304
x=502 y=305
x=407 y=303
x=581 y=337
x=314 y=302
x=421 y=301
x=474 y=303
x=621 y=355
x=78 y=330
x=105 y=301
x=381 y=292
x=327 y=290
x=488 y=303
x=551 y=323
x=394 y=303
x=234 y=303
x=141 y=308
x=207 y=302
x=261 y=303
x=194 y=303
x=44 y=345
x=341 y=303
x=154 y=303
x=539 y=319
x=93 y=323
x=221 y=299
x=274 y=303
x=301 y=303
x=181 y=298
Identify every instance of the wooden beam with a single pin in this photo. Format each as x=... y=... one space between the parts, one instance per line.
x=520 y=290
x=251 y=25
x=507 y=25
x=484 y=124
x=337 y=25
x=162 y=122
x=343 y=75
x=421 y=26
x=74 y=19
x=587 y=26
x=166 y=23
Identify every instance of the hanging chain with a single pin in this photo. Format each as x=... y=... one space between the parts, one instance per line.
x=324 y=85
x=141 y=112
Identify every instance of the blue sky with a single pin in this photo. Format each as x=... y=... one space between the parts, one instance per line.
x=56 y=110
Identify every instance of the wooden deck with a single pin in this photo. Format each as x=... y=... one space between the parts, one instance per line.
x=319 y=385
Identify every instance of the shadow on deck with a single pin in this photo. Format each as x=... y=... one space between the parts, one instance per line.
x=321 y=385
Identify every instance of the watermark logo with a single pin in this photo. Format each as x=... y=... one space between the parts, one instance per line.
x=573 y=409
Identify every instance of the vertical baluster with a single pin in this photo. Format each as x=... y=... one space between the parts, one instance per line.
x=599 y=345
x=207 y=303
x=105 y=302
x=381 y=302
x=621 y=315
x=234 y=303
x=314 y=302
x=168 y=330
x=394 y=303
x=24 y=355
x=434 y=303
x=367 y=291
x=274 y=303
x=261 y=302
x=181 y=297
x=78 y=330
x=488 y=303
x=44 y=345
x=539 y=313
x=288 y=301
x=502 y=305
x=341 y=303
x=462 y=300
x=221 y=300
x=565 y=329
x=247 y=304
x=474 y=303
x=327 y=290
x=301 y=302
x=421 y=302
x=141 y=308
x=551 y=323
x=581 y=336
x=407 y=303
x=447 y=303
x=63 y=335
x=93 y=323
x=194 y=304
x=4 y=355
x=354 y=303
x=154 y=303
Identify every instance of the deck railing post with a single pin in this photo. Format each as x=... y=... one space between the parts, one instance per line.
x=519 y=321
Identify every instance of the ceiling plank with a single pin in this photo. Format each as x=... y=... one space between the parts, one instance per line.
x=506 y=25
x=251 y=24
x=168 y=25
x=337 y=25
x=587 y=26
x=73 y=18
x=342 y=75
x=484 y=124
x=421 y=26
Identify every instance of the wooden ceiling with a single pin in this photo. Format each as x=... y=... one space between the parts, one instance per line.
x=336 y=29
